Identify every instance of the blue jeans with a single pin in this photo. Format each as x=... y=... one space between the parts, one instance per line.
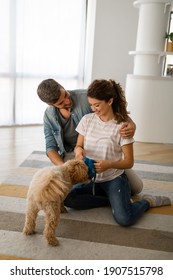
x=116 y=193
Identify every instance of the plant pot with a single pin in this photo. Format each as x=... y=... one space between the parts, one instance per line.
x=169 y=47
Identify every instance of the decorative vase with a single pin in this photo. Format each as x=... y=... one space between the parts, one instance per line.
x=169 y=47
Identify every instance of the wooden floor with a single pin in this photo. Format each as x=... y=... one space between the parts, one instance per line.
x=17 y=143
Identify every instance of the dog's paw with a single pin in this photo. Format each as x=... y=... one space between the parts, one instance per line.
x=53 y=241
x=28 y=231
x=63 y=209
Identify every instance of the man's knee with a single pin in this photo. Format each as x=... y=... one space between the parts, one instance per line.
x=135 y=181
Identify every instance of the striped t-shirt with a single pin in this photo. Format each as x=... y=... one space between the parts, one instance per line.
x=102 y=140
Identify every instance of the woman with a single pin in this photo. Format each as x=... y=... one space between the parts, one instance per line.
x=99 y=139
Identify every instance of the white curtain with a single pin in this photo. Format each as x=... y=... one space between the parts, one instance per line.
x=39 y=39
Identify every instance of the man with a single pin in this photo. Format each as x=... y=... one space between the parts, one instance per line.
x=65 y=110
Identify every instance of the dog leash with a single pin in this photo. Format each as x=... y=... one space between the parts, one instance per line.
x=93 y=188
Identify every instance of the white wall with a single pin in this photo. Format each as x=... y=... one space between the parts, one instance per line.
x=111 y=34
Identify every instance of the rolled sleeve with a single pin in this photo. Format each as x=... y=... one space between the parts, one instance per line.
x=52 y=133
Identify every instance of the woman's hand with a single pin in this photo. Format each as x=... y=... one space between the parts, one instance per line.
x=128 y=129
x=79 y=157
x=125 y=163
x=79 y=150
x=80 y=153
x=102 y=165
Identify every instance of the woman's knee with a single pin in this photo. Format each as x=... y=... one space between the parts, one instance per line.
x=122 y=219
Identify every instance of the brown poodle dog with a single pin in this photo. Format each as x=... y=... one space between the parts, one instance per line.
x=48 y=189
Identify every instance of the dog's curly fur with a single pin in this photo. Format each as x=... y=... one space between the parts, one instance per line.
x=48 y=189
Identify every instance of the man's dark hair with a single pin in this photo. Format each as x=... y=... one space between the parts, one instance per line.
x=49 y=91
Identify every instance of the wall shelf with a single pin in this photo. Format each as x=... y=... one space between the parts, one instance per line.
x=158 y=53
x=152 y=78
x=150 y=53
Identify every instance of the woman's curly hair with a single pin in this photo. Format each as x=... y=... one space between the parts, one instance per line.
x=107 y=89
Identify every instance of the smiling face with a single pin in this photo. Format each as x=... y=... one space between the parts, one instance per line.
x=64 y=101
x=102 y=108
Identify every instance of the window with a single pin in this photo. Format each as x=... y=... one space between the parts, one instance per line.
x=40 y=39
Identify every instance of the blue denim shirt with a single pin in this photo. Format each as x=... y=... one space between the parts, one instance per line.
x=53 y=130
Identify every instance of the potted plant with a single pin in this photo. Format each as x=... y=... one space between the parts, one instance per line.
x=169 y=45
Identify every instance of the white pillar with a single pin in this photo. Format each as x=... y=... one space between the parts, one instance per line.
x=152 y=26
x=149 y=94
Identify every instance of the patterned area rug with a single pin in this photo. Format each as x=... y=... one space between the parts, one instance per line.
x=91 y=234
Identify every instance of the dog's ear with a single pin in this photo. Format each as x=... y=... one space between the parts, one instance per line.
x=78 y=171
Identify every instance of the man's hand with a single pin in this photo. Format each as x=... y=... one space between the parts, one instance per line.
x=55 y=158
x=128 y=129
